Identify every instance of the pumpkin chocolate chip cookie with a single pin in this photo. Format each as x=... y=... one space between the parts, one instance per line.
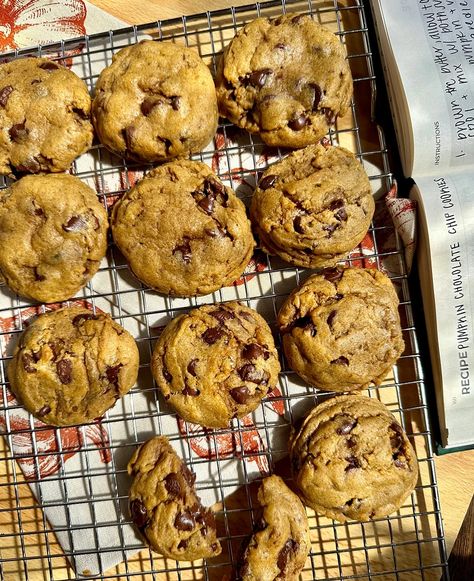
x=352 y=460
x=182 y=231
x=165 y=507
x=71 y=365
x=286 y=78
x=216 y=363
x=341 y=329
x=53 y=235
x=155 y=102
x=313 y=207
x=44 y=116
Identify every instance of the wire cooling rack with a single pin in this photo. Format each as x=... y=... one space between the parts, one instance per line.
x=63 y=493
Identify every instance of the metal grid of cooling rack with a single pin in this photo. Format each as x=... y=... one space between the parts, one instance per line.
x=41 y=535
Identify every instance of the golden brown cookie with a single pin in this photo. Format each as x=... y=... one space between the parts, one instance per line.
x=182 y=231
x=313 y=207
x=286 y=78
x=156 y=101
x=71 y=365
x=281 y=543
x=352 y=460
x=53 y=235
x=216 y=363
x=164 y=506
x=44 y=116
x=341 y=329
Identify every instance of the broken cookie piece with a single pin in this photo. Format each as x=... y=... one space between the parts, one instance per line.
x=164 y=505
x=71 y=365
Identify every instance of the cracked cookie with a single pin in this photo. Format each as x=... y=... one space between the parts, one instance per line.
x=53 y=235
x=313 y=207
x=164 y=506
x=71 y=365
x=44 y=116
x=182 y=231
x=216 y=363
x=156 y=101
x=279 y=546
x=286 y=78
x=341 y=329
x=352 y=460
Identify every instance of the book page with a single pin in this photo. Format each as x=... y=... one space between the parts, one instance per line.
x=446 y=273
x=431 y=44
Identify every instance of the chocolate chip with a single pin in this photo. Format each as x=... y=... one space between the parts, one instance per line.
x=249 y=372
x=64 y=370
x=39 y=277
x=183 y=544
x=330 y=229
x=397 y=442
x=148 y=104
x=18 y=132
x=340 y=361
x=329 y=114
x=184 y=249
x=184 y=521
x=352 y=464
x=56 y=348
x=191 y=368
x=80 y=113
x=188 y=390
x=252 y=351
x=284 y=555
x=175 y=102
x=35 y=81
x=207 y=204
x=28 y=361
x=399 y=463
x=317 y=95
x=30 y=164
x=75 y=224
x=222 y=315
x=167 y=375
x=341 y=215
x=306 y=323
x=240 y=394
x=330 y=318
x=211 y=335
x=138 y=513
x=43 y=411
x=172 y=484
x=267 y=182
x=297 y=123
x=351 y=442
x=128 y=134
x=49 y=66
x=112 y=374
x=297 y=19
x=214 y=187
x=83 y=317
x=297 y=225
x=333 y=274
x=5 y=95
x=347 y=427
x=280 y=46
x=258 y=78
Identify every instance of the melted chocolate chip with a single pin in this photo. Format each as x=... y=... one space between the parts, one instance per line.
x=336 y=205
x=64 y=370
x=340 y=361
x=80 y=113
x=297 y=19
x=249 y=372
x=184 y=521
x=112 y=374
x=30 y=164
x=192 y=367
x=138 y=513
x=297 y=123
x=5 y=95
x=167 y=375
x=183 y=544
x=148 y=104
x=188 y=390
x=28 y=363
x=172 y=484
x=291 y=546
x=214 y=187
x=346 y=427
x=306 y=323
x=39 y=277
x=258 y=78
x=43 y=411
x=211 y=335
x=352 y=464
x=83 y=317
x=333 y=274
x=329 y=114
x=49 y=66
x=175 y=102
x=56 y=348
x=330 y=229
x=280 y=46
x=297 y=225
x=75 y=224
x=317 y=96
x=18 y=132
x=222 y=315
x=240 y=394
x=351 y=442
x=128 y=134
x=267 y=182
x=330 y=318
x=397 y=443
x=184 y=249
x=341 y=215
x=207 y=204
x=252 y=351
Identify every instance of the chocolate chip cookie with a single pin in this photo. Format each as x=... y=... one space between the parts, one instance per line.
x=71 y=365
x=156 y=101
x=341 y=329
x=281 y=543
x=164 y=506
x=44 y=116
x=182 y=231
x=352 y=460
x=216 y=363
x=313 y=207
x=53 y=235
x=286 y=78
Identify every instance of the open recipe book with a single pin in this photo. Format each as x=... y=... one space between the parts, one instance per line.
x=427 y=51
